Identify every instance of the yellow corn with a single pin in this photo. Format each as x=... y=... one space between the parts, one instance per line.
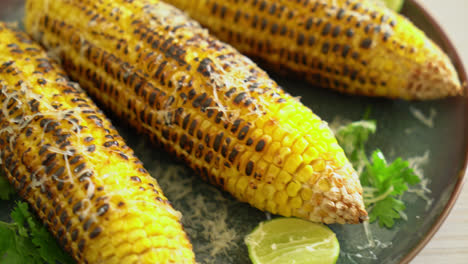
x=64 y=157
x=203 y=101
x=353 y=46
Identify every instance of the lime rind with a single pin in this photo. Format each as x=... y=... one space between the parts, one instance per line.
x=292 y=240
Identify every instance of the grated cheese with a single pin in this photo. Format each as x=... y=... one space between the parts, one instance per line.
x=426 y=120
x=205 y=219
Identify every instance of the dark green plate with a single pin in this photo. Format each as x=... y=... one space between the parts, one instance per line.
x=211 y=215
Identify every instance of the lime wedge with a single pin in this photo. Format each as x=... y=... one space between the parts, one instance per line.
x=395 y=5
x=291 y=240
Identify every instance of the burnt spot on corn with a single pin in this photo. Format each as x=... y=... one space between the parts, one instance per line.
x=66 y=157
x=205 y=67
x=307 y=31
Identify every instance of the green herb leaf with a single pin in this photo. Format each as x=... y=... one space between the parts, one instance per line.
x=26 y=240
x=383 y=183
x=353 y=138
x=389 y=181
x=386 y=211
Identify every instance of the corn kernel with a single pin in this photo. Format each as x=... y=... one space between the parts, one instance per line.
x=284 y=209
x=288 y=140
x=281 y=198
x=280 y=157
x=293 y=188
x=249 y=193
x=272 y=173
x=273 y=150
x=259 y=197
x=124 y=249
x=268 y=191
x=306 y=194
x=257 y=133
x=279 y=133
x=241 y=185
x=300 y=145
x=231 y=184
x=292 y=163
x=324 y=184
x=310 y=154
x=271 y=207
x=295 y=202
x=304 y=174
x=269 y=127
x=282 y=179
x=341 y=159
x=130 y=259
x=318 y=165
x=261 y=167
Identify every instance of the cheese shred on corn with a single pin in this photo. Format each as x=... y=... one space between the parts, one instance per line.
x=353 y=46
x=64 y=157
x=203 y=101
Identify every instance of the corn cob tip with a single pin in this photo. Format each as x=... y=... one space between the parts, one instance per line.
x=342 y=198
x=353 y=46
x=204 y=102
x=436 y=78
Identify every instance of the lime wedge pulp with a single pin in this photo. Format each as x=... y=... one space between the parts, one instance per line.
x=292 y=240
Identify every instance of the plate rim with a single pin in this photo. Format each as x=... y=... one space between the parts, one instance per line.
x=457 y=61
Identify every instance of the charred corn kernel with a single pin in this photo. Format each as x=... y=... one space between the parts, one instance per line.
x=64 y=157
x=272 y=172
x=280 y=157
x=262 y=167
x=199 y=98
x=353 y=46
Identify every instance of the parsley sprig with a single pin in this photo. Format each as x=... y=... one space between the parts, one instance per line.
x=383 y=183
x=26 y=240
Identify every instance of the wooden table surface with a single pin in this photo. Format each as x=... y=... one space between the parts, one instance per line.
x=450 y=243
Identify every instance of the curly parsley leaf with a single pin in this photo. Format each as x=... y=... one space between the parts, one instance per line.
x=387 y=182
x=353 y=138
x=6 y=190
x=26 y=240
x=386 y=211
x=383 y=183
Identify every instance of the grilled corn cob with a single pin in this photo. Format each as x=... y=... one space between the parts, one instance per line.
x=204 y=102
x=64 y=157
x=353 y=46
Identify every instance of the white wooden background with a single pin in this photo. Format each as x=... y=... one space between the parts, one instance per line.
x=450 y=244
